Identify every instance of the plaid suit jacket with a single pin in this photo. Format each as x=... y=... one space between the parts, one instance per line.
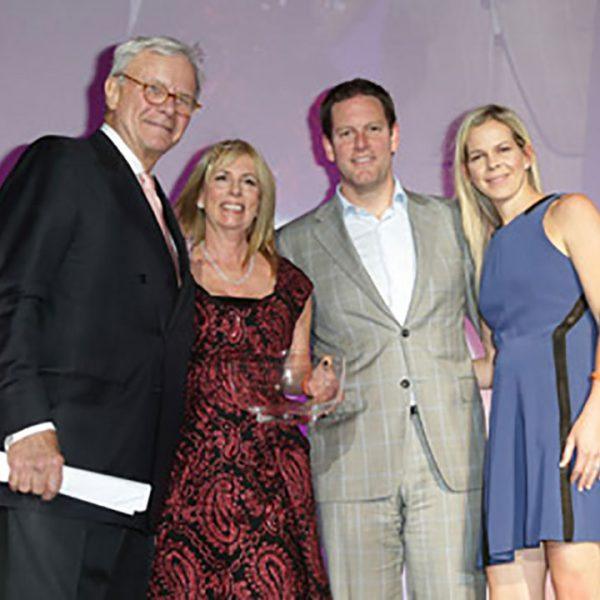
x=355 y=453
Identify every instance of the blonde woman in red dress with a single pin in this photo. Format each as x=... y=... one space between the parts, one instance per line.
x=239 y=520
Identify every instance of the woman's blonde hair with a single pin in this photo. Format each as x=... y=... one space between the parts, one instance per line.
x=479 y=217
x=261 y=236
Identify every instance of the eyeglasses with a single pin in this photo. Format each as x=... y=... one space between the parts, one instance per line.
x=156 y=93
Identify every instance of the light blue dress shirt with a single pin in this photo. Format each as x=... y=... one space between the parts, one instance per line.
x=386 y=248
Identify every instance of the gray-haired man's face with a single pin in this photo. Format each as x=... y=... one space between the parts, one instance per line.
x=150 y=130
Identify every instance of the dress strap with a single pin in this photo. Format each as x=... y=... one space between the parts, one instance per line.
x=545 y=199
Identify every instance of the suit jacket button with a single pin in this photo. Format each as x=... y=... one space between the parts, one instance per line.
x=405 y=332
x=405 y=383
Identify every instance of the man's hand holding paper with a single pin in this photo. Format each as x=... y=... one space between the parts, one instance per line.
x=36 y=465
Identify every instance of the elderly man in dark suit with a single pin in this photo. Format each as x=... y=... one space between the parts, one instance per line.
x=95 y=330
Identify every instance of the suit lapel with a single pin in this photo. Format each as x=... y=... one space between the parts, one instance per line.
x=131 y=199
x=418 y=216
x=331 y=233
x=126 y=188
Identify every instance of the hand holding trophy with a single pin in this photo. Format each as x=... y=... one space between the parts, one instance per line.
x=292 y=389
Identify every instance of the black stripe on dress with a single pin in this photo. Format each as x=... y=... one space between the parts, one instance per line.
x=538 y=202
x=559 y=346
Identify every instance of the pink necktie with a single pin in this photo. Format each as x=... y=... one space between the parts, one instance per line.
x=149 y=188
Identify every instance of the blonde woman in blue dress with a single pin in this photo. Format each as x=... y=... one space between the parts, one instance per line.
x=538 y=259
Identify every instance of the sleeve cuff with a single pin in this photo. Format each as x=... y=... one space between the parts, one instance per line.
x=23 y=433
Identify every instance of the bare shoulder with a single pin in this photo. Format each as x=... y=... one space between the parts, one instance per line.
x=572 y=209
x=572 y=220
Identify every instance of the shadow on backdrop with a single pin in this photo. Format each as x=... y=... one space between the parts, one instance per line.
x=186 y=173
x=447 y=156
x=95 y=91
x=10 y=160
x=95 y=103
x=314 y=127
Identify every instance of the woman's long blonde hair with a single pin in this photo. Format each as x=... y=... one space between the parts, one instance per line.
x=479 y=217
x=261 y=237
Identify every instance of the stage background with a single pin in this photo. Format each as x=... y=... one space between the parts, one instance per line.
x=268 y=61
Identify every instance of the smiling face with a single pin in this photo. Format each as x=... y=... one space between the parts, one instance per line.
x=362 y=145
x=495 y=164
x=149 y=130
x=231 y=195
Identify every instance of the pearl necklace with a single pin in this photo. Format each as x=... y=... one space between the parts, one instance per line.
x=221 y=273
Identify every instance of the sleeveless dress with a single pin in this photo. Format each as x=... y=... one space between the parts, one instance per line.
x=239 y=520
x=545 y=337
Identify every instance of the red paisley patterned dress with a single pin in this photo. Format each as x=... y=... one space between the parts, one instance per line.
x=239 y=521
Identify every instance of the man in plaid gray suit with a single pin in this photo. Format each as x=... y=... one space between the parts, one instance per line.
x=397 y=468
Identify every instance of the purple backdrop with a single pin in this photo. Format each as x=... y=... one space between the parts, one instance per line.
x=268 y=62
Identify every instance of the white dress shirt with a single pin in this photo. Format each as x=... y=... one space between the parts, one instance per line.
x=136 y=166
x=132 y=160
x=386 y=248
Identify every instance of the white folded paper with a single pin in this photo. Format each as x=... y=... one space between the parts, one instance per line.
x=123 y=495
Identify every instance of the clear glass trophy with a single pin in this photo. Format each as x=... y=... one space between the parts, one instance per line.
x=291 y=388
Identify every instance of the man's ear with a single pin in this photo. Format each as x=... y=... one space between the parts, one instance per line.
x=395 y=138
x=328 y=147
x=112 y=92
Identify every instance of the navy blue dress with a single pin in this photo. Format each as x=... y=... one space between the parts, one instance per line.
x=545 y=337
